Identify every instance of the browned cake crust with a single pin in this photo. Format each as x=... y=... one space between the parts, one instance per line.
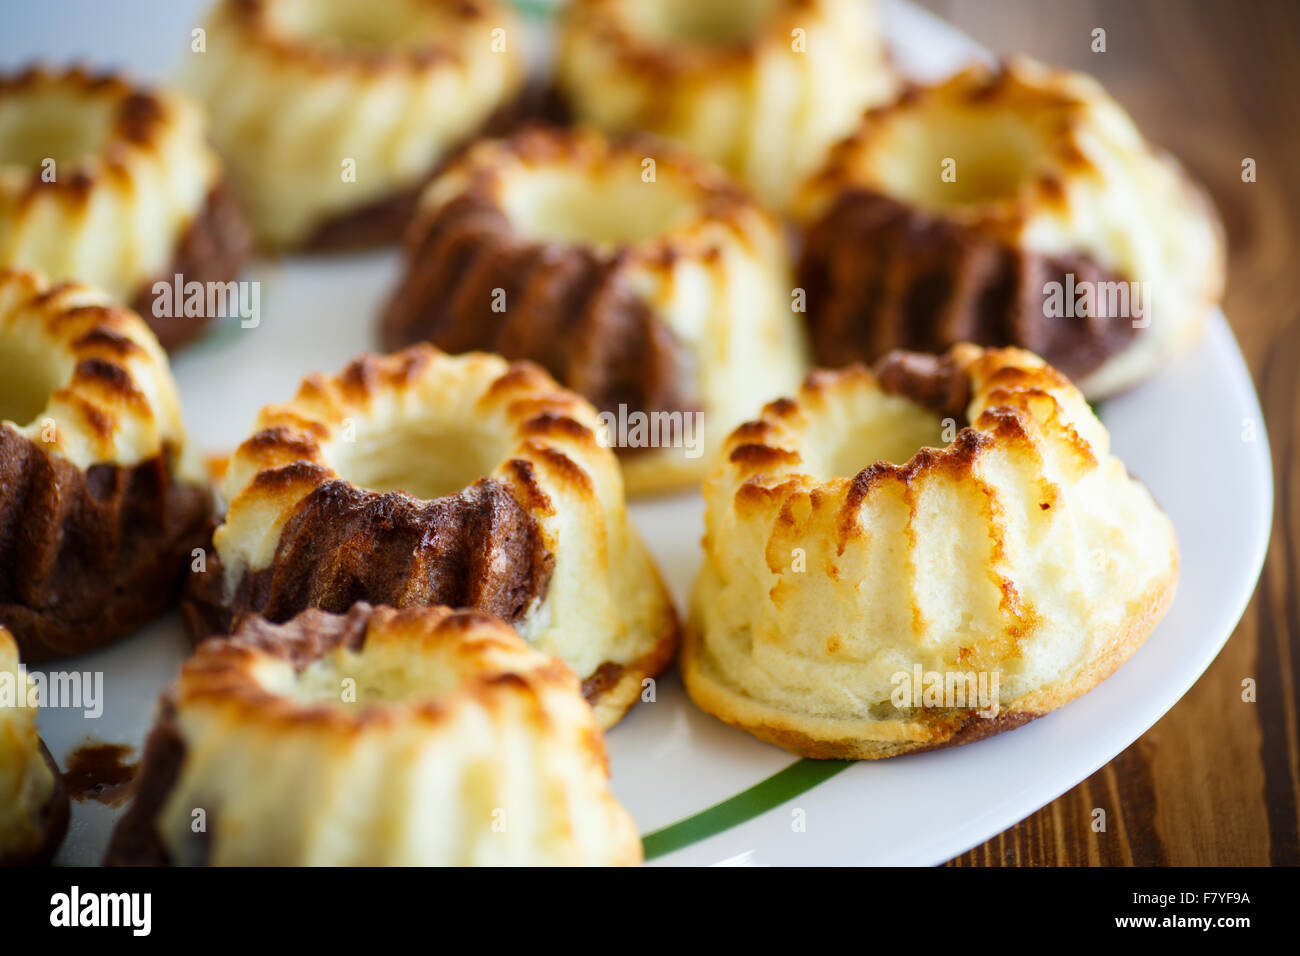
x=213 y=249
x=129 y=181
x=477 y=549
x=89 y=556
x=54 y=822
x=880 y=275
x=571 y=310
x=386 y=220
x=940 y=383
x=306 y=638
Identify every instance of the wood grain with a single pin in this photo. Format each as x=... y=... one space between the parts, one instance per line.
x=1217 y=780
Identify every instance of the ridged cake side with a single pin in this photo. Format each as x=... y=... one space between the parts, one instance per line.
x=955 y=515
x=376 y=738
x=880 y=275
x=102 y=504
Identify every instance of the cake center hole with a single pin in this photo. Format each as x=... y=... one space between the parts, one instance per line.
x=359 y=27
x=605 y=207
x=52 y=124
x=373 y=677
x=29 y=375
x=954 y=159
x=882 y=428
x=424 y=457
x=709 y=23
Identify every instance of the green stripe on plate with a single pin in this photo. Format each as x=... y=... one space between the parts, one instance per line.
x=799 y=777
x=537 y=9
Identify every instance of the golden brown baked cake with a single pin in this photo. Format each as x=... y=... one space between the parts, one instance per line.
x=760 y=87
x=114 y=185
x=1010 y=206
x=332 y=114
x=100 y=503
x=420 y=478
x=646 y=281
x=919 y=557
x=33 y=798
x=420 y=737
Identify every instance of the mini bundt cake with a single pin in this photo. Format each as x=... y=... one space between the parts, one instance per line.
x=1009 y=559
x=100 y=503
x=1015 y=206
x=760 y=87
x=648 y=283
x=420 y=479
x=115 y=186
x=332 y=115
x=33 y=798
x=419 y=737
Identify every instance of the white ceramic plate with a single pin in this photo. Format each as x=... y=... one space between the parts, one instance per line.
x=714 y=794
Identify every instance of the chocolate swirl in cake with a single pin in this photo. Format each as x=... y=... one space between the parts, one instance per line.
x=881 y=274
x=475 y=549
x=569 y=309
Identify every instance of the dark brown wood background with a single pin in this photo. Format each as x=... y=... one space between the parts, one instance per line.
x=1216 y=781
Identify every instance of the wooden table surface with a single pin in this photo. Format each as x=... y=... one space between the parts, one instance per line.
x=1216 y=781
